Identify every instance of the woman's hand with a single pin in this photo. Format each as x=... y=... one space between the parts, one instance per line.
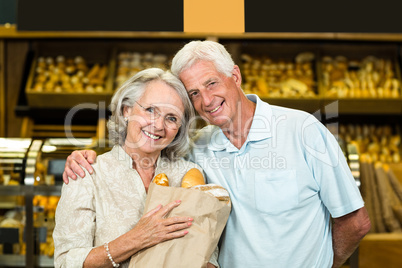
x=151 y=229
x=84 y=158
x=154 y=228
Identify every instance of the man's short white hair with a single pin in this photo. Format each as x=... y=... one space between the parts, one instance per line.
x=196 y=51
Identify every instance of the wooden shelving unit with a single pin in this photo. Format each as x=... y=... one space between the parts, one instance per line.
x=15 y=45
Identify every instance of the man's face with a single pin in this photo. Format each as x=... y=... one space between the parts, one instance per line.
x=214 y=95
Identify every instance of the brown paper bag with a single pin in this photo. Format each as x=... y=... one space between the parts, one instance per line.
x=195 y=249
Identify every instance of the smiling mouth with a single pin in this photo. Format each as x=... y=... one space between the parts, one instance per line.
x=154 y=137
x=216 y=109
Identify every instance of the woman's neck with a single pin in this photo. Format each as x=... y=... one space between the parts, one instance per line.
x=144 y=164
x=140 y=159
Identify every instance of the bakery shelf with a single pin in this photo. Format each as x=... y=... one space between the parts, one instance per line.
x=365 y=106
x=11 y=32
x=48 y=190
x=37 y=190
x=12 y=190
x=10 y=260
x=132 y=57
x=108 y=44
x=360 y=74
x=59 y=95
x=276 y=70
x=310 y=105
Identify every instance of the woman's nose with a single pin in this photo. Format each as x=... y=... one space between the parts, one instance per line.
x=159 y=122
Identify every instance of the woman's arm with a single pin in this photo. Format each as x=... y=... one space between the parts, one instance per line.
x=76 y=225
x=152 y=229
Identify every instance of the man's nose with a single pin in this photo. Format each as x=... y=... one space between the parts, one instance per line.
x=207 y=98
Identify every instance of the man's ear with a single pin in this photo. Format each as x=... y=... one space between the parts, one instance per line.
x=236 y=75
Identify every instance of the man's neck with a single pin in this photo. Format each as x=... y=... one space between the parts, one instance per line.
x=238 y=130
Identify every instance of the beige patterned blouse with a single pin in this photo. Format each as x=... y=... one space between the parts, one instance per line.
x=105 y=205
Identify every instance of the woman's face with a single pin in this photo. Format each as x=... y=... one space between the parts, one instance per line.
x=145 y=133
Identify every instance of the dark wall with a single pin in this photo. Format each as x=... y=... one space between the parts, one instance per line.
x=101 y=15
x=8 y=11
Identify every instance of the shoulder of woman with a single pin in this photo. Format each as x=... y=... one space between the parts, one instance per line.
x=111 y=157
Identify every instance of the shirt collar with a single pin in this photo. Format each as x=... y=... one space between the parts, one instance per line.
x=260 y=128
x=218 y=140
x=122 y=156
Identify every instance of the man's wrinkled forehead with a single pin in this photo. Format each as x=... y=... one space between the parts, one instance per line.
x=199 y=75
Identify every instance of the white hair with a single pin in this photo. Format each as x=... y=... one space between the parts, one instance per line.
x=196 y=51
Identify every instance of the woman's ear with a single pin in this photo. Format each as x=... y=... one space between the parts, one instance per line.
x=127 y=111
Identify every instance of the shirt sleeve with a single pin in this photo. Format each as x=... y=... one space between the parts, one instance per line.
x=214 y=257
x=338 y=189
x=75 y=223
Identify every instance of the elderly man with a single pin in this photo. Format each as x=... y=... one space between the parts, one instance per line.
x=295 y=202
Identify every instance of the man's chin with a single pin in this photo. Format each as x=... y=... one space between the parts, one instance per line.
x=223 y=124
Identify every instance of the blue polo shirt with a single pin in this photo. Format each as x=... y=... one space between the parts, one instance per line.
x=285 y=182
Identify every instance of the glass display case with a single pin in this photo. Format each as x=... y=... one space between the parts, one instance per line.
x=13 y=155
x=30 y=187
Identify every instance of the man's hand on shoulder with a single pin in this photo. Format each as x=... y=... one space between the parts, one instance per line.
x=74 y=162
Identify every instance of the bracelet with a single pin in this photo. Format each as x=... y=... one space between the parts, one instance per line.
x=106 y=245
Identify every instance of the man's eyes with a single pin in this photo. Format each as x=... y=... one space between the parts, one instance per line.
x=212 y=83
x=193 y=94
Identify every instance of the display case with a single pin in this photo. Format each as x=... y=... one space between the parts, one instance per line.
x=361 y=78
x=13 y=153
x=31 y=181
x=63 y=75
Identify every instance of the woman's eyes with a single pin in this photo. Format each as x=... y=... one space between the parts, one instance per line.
x=172 y=119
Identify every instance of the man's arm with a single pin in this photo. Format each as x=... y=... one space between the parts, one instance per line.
x=347 y=231
x=84 y=158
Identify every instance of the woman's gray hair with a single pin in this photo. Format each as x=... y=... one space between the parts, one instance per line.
x=196 y=51
x=131 y=91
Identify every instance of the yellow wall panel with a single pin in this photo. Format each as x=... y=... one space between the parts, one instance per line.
x=214 y=16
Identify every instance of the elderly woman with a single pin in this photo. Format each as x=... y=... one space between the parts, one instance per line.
x=99 y=221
